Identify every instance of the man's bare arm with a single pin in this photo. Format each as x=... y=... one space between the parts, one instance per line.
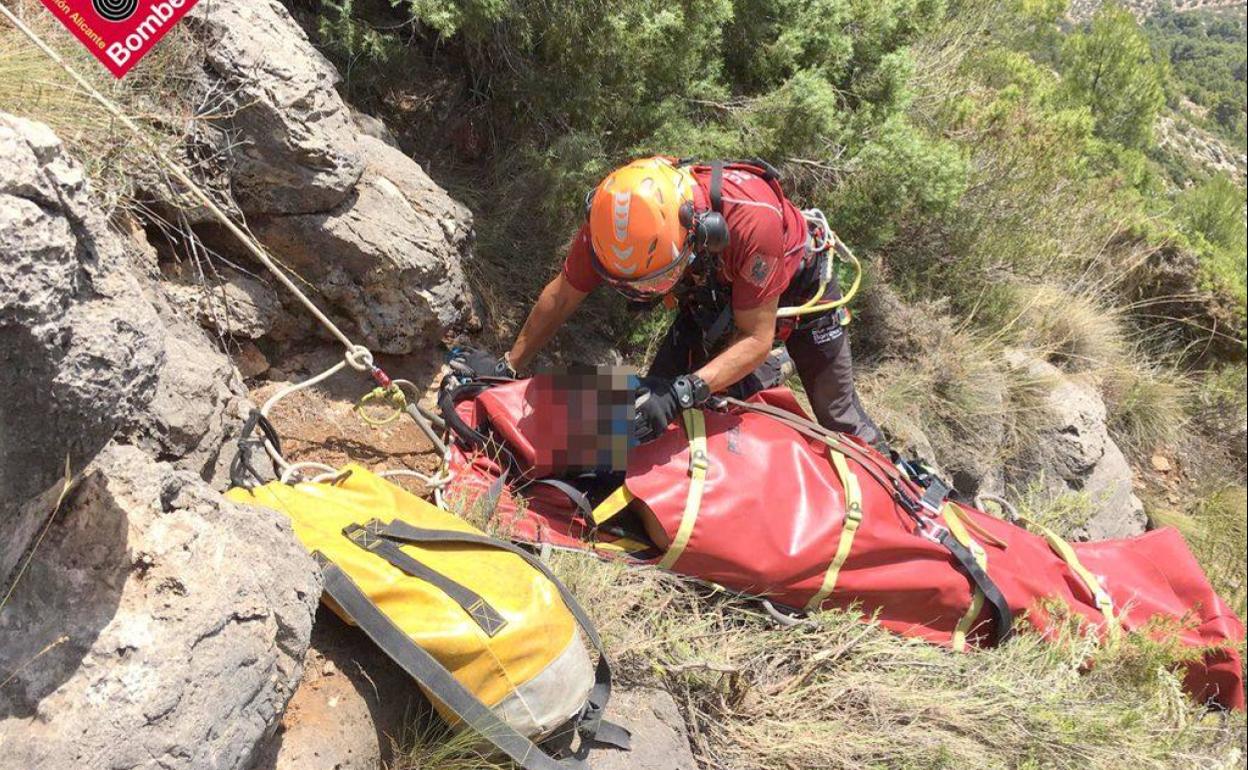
x=755 y=332
x=557 y=301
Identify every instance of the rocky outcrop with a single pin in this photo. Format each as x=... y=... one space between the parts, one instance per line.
x=292 y=137
x=389 y=255
x=1075 y=453
x=324 y=188
x=1185 y=139
x=157 y=626
x=80 y=349
x=148 y=623
x=227 y=303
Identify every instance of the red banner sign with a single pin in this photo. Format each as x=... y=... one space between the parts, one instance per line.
x=119 y=32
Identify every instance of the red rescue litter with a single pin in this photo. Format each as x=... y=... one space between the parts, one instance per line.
x=770 y=505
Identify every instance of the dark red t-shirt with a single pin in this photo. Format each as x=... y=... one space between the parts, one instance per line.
x=767 y=239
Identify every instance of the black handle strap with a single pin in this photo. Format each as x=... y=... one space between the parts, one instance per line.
x=1002 y=617
x=242 y=468
x=448 y=397
x=577 y=497
x=490 y=620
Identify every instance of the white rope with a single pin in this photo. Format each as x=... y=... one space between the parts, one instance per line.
x=283 y=393
x=293 y=472
x=355 y=353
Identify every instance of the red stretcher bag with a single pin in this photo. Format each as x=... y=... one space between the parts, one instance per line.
x=759 y=500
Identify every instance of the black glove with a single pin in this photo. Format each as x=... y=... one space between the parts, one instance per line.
x=656 y=407
x=659 y=401
x=476 y=363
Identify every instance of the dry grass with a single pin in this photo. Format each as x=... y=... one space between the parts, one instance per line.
x=1147 y=405
x=154 y=94
x=429 y=745
x=1073 y=331
x=960 y=399
x=841 y=693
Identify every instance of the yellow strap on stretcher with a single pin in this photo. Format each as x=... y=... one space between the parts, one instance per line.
x=1104 y=602
x=853 y=518
x=954 y=521
x=616 y=502
x=699 y=462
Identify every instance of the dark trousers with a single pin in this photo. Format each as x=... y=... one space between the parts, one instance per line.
x=819 y=347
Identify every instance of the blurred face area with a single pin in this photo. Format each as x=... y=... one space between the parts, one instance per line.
x=640 y=246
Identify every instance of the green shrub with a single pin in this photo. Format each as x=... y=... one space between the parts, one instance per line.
x=1111 y=68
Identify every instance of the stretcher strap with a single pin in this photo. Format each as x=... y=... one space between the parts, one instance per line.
x=883 y=473
x=1002 y=616
x=1104 y=602
x=593 y=727
x=615 y=503
x=959 y=531
x=853 y=517
x=432 y=675
x=482 y=612
x=699 y=462
x=577 y=497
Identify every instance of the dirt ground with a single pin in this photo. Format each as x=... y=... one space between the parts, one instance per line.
x=321 y=424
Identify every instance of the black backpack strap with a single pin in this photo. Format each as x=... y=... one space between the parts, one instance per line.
x=717 y=186
x=432 y=675
x=769 y=172
x=490 y=620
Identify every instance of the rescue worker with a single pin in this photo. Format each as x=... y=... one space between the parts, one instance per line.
x=724 y=245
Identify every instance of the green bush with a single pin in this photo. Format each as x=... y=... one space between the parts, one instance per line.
x=1212 y=215
x=1111 y=68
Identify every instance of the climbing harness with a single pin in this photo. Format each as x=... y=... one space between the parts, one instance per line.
x=357 y=357
x=826 y=246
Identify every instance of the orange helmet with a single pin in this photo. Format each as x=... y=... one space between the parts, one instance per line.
x=641 y=242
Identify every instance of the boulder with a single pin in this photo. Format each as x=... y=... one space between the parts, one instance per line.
x=227 y=303
x=322 y=185
x=374 y=127
x=80 y=347
x=350 y=709
x=389 y=256
x=660 y=738
x=198 y=410
x=150 y=624
x=287 y=136
x=157 y=626
x=1075 y=453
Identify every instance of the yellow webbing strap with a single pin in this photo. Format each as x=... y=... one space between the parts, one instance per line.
x=622 y=545
x=695 y=428
x=616 y=502
x=954 y=522
x=1104 y=602
x=853 y=517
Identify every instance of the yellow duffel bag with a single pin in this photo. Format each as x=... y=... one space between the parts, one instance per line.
x=490 y=635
